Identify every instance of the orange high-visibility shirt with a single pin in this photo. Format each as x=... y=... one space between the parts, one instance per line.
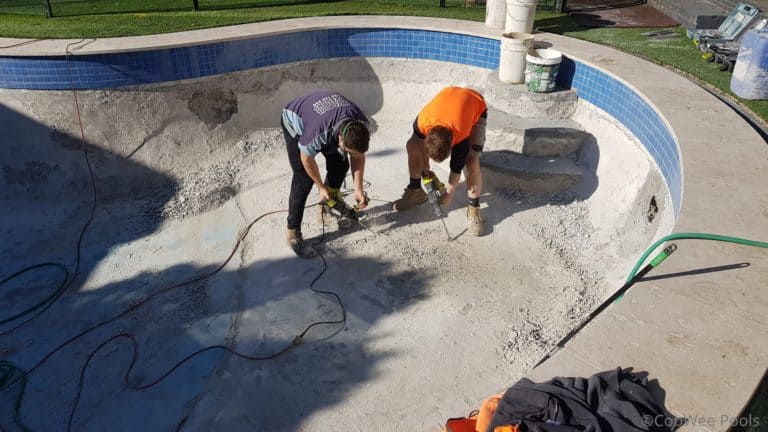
x=456 y=108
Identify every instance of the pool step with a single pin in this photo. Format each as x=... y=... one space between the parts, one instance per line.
x=515 y=100
x=504 y=169
x=537 y=137
x=533 y=155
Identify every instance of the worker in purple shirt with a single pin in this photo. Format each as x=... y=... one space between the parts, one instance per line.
x=322 y=121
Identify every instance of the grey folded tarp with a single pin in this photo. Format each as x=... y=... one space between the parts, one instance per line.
x=616 y=400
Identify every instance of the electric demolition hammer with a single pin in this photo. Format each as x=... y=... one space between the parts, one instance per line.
x=339 y=208
x=433 y=194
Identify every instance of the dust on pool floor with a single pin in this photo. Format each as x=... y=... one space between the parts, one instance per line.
x=426 y=319
x=432 y=326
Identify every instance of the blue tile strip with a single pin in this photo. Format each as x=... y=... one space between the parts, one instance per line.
x=125 y=69
x=629 y=108
x=89 y=72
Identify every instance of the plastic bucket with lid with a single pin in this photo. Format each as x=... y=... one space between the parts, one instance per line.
x=520 y=14
x=514 y=48
x=495 y=14
x=541 y=69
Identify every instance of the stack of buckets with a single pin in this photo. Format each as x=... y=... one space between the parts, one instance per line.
x=518 y=61
x=750 y=75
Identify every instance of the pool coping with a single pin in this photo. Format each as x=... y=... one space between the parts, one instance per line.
x=58 y=47
x=704 y=336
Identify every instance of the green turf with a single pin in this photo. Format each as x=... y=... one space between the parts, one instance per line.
x=679 y=53
x=67 y=8
x=88 y=7
x=142 y=23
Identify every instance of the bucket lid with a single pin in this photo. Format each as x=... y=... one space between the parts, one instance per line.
x=546 y=56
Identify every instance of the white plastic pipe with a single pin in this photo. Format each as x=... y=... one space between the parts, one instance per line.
x=520 y=15
x=495 y=14
x=514 y=47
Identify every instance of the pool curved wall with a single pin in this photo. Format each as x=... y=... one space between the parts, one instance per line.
x=99 y=71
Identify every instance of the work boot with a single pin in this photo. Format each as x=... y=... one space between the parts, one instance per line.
x=474 y=221
x=296 y=242
x=410 y=198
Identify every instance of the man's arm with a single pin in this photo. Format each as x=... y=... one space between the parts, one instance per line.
x=453 y=181
x=358 y=172
x=310 y=166
x=459 y=156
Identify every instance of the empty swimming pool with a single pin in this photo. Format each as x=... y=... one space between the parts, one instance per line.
x=185 y=151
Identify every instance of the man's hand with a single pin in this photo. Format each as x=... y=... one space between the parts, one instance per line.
x=324 y=193
x=361 y=198
x=358 y=170
x=446 y=199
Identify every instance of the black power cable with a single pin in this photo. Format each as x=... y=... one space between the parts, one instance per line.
x=11 y=369
x=298 y=340
x=31 y=309
x=8 y=370
x=49 y=301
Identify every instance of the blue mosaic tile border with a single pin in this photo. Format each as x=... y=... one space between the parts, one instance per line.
x=629 y=108
x=146 y=67
x=90 y=72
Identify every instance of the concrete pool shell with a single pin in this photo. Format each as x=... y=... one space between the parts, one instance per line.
x=353 y=365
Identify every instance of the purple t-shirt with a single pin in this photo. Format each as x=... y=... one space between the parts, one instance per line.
x=316 y=118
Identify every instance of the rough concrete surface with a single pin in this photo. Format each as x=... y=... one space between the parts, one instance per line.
x=432 y=326
x=515 y=99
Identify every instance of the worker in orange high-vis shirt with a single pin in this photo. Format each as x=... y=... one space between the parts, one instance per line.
x=452 y=124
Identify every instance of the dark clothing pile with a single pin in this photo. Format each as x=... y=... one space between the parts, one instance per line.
x=616 y=400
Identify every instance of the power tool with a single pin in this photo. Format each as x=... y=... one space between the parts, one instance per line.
x=434 y=193
x=339 y=209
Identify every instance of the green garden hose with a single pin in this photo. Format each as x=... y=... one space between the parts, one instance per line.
x=9 y=370
x=688 y=236
x=637 y=274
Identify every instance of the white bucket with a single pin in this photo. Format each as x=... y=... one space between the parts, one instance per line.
x=541 y=69
x=514 y=47
x=495 y=14
x=520 y=15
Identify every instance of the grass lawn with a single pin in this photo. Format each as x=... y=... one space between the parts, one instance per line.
x=678 y=53
x=102 y=18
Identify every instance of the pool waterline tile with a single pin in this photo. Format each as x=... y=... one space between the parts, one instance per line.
x=92 y=72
